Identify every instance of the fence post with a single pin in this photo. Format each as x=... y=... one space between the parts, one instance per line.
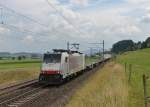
x=130 y=72
x=114 y=58
x=145 y=90
x=125 y=65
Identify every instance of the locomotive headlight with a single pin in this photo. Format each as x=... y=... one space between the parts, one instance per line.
x=42 y=71
x=59 y=72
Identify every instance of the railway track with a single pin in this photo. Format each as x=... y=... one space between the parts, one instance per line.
x=8 y=94
x=22 y=94
x=17 y=86
x=21 y=98
x=58 y=97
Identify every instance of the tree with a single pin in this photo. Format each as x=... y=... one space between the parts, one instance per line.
x=13 y=58
x=23 y=57
x=147 y=42
x=19 y=58
x=139 y=45
x=123 y=46
x=143 y=45
x=129 y=45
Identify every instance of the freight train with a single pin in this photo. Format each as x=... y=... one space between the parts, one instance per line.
x=61 y=65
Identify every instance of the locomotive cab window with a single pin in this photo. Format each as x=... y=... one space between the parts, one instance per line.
x=52 y=58
x=66 y=59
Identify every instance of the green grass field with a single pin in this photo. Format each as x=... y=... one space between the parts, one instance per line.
x=140 y=61
x=14 y=70
x=13 y=64
x=89 y=60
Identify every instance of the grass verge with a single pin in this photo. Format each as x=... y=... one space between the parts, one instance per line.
x=106 y=88
x=140 y=61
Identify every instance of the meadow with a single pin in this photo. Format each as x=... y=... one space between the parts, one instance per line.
x=140 y=61
x=89 y=60
x=12 y=71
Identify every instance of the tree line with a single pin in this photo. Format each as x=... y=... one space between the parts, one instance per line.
x=129 y=45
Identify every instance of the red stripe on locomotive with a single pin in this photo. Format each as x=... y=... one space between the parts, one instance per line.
x=51 y=72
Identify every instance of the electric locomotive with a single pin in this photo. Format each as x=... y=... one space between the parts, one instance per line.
x=60 y=64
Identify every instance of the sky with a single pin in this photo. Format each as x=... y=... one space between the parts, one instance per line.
x=41 y=25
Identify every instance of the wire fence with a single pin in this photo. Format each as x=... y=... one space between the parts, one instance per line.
x=145 y=77
x=146 y=96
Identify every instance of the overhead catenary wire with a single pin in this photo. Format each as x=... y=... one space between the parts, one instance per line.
x=42 y=37
x=12 y=27
x=23 y=30
x=100 y=43
x=35 y=21
x=26 y=17
x=22 y=15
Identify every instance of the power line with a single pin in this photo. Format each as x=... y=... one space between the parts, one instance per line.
x=12 y=27
x=68 y=21
x=13 y=11
x=100 y=43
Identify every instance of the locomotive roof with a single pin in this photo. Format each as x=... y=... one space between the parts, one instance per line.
x=63 y=50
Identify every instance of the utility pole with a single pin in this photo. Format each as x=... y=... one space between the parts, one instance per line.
x=68 y=47
x=91 y=51
x=1 y=13
x=101 y=43
x=103 y=49
x=94 y=49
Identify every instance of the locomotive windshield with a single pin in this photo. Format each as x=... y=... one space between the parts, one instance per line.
x=52 y=58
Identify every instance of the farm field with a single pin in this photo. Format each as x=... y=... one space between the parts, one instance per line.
x=140 y=61
x=13 y=64
x=89 y=60
x=12 y=71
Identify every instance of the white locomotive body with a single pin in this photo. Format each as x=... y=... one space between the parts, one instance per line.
x=61 y=64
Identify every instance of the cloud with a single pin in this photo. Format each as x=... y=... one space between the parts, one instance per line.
x=28 y=39
x=137 y=1
x=94 y=24
x=3 y=30
x=146 y=19
x=80 y=2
